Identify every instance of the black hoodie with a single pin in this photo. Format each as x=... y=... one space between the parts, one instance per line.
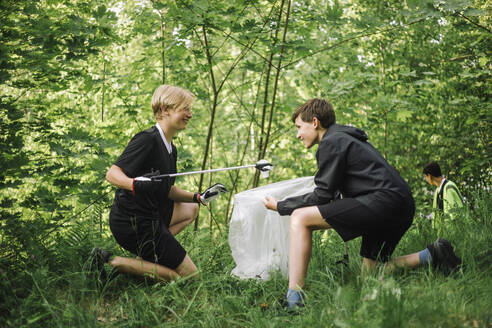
x=349 y=164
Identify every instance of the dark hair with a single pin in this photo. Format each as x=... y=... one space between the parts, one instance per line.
x=433 y=169
x=319 y=108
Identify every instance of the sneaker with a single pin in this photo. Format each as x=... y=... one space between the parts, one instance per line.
x=95 y=265
x=295 y=299
x=443 y=256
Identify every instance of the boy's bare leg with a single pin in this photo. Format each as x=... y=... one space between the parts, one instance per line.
x=187 y=268
x=302 y=223
x=368 y=265
x=141 y=267
x=183 y=214
x=406 y=261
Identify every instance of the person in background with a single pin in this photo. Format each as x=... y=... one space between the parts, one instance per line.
x=446 y=197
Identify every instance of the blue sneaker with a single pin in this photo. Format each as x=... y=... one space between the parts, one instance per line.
x=295 y=299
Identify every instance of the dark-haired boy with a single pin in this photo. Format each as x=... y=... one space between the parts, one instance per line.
x=446 y=196
x=377 y=203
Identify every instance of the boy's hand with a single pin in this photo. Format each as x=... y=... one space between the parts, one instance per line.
x=270 y=203
x=145 y=184
x=211 y=193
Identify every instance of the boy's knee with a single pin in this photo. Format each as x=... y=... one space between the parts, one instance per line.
x=194 y=211
x=188 y=211
x=187 y=268
x=297 y=219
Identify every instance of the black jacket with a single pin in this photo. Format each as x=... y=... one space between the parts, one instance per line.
x=349 y=164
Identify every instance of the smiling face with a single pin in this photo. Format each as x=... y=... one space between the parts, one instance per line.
x=308 y=132
x=178 y=118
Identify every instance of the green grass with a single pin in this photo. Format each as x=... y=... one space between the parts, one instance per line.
x=56 y=293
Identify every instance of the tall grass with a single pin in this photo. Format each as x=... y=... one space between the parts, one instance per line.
x=56 y=293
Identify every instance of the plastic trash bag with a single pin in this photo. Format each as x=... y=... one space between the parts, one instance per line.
x=258 y=237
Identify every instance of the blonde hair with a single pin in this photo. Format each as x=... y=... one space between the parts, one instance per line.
x=169 y=97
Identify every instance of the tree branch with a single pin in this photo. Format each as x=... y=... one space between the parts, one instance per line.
x=476 y=24
x=350 y=39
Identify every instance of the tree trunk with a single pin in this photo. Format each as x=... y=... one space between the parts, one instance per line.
x=212 y=114
x=264 y=144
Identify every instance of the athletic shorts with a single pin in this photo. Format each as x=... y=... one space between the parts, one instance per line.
x=381 y=231
x=147 y=238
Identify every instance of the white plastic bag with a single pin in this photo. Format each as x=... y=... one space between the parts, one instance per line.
x=258 y=237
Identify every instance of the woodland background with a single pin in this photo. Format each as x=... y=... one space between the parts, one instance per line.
x=76 y=79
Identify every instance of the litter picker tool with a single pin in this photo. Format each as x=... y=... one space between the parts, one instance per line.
x=262 y=165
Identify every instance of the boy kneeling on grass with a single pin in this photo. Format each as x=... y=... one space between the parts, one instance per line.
x=377 y=203
x=148 y=213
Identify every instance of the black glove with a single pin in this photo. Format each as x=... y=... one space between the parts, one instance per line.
x=145 y=184
x=210 y=194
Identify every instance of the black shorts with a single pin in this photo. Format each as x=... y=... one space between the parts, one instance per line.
x=381 y=231
x=146 y=237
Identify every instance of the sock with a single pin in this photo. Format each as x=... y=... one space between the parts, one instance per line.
x=295 y=298
x=425 y=257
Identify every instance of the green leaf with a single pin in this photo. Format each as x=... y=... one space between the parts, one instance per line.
x=403 y=114
x=474 y=12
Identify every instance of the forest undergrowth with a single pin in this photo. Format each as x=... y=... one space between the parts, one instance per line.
x=56 y=292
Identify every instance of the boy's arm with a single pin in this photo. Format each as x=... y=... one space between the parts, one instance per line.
x=435 y=209
x=118 y=178
x=331 y=165
x=135 y=154
x=180 y=195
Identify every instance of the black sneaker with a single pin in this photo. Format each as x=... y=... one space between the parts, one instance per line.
x=443 y=256
x=95 y=264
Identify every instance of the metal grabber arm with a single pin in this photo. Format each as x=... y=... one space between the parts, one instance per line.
x=262 y=165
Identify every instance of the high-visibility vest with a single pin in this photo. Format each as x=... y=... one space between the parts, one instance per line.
x=445 y=199
x=448 y=197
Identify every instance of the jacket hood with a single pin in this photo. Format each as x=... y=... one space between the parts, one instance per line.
x=350 y=130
